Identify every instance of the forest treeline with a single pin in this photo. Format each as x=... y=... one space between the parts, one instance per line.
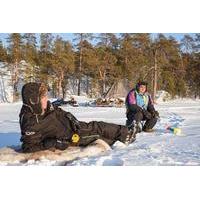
x=96 y=61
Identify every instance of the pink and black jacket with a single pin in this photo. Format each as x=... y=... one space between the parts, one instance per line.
x=135 y=103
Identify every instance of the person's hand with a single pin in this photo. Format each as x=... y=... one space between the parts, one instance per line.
x=156 y=114
x=62 y=144
x=147 y=114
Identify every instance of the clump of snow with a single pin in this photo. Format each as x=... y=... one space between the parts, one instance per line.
x=119 y=145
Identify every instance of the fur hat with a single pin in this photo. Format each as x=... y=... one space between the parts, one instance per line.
x=31 y=96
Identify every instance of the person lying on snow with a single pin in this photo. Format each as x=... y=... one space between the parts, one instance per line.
x=46 y=126
x=140 y=108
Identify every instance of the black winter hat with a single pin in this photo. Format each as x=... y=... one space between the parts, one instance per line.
x=141 y=83
x=31 y=95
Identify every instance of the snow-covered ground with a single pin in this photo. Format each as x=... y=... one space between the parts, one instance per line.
x=159 y=148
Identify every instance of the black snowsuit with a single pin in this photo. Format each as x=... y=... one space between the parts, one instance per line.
x=57 y=128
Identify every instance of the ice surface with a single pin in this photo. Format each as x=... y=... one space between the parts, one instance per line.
x=158 y=148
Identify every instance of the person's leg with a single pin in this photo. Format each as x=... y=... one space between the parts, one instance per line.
x=138 y=117
x=88 y=133
x=149 y=124
x=108 y=132
x=134 y=120
x=130 y=118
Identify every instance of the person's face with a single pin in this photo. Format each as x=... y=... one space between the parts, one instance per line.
x=142 y=89
x=44 y=100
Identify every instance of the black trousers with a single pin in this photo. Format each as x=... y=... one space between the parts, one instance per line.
x=108 y=132
x=139 y=117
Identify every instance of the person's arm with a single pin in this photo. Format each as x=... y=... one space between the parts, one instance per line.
x=151 y=108
x=132 y=104
x=29 y=131
x=35 y=129
x=68 y=120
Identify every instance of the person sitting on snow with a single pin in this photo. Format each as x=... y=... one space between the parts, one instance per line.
x=140 y=108
x=46 y=126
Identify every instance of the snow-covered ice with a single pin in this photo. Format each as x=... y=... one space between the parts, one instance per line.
x=159 y=148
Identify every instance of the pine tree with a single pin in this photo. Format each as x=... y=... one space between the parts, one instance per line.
x=126 y=56
x=30 y=56
x=79 y=38
x=134 y=56
x=187 y=44
x=107 y=61
x=45 y=56
x=142 y=58
x=89 y=61
x=163 y=62
x=191 y=59
x=3 y=53
x=15 y=56
x=63 y=64
x=170 y=65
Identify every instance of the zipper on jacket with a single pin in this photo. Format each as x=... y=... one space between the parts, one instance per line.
x=37 y=118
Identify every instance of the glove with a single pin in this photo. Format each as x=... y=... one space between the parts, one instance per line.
x=147 y=114
x=62 y=144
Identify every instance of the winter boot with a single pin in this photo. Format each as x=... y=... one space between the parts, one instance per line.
x=131 y=137
x=132 y=131
x=150 y=130
x=138 y=126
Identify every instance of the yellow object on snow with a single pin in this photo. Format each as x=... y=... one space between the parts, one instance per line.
x=177 y=131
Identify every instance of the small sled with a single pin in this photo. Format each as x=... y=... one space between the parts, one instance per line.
x=14 y=155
